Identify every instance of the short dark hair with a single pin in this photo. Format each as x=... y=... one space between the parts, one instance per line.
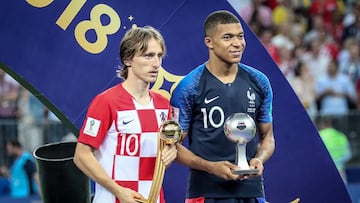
x=218 y=17
x=137 y=39
x=15 y=143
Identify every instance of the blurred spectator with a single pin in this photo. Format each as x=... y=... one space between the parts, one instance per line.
x=282 y=37
x=336 y=143
x=265 y=37
x=350 y=64
x=4 y=186
x=299 y=24
x=282 y=12
x=8 y=113
x=23 y=177
x=351 y=12
x=238 y=5
x=301 y=4
x=324 y=8
x=271 y=3
x=54 y=129
x=337 y=27
x=317 y=59
x=257 y=15
x=327 y=44
x=316 y=26
x=286 y=62
x=344 y=53
x=299 y=47
x=352 y=22
x=31 y=118
x=334 y=92
x=358 y=94
x=304 y=86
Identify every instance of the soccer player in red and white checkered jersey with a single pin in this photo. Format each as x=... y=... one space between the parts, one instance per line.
x=117 y=144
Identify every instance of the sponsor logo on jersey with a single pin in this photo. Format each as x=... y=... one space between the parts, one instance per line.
x=207 y=101
x=127 y=122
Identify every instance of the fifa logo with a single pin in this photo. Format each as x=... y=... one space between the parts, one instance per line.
x=92 y=123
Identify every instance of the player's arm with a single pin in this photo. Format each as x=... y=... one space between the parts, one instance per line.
x=220 y=168
x=85 y=160
x=265 y=148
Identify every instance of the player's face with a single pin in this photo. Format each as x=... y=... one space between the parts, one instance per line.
x=145 y=66
x=227 y=43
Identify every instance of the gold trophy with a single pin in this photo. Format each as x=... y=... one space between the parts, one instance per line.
x=170 y=132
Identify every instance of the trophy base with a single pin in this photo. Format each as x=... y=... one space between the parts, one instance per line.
x=245 y=172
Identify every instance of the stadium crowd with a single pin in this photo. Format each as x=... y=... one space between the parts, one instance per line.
x=316 y=45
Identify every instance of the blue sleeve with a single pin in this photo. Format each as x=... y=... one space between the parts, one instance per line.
x=265 y=113
x=183 y=96
x=265 y=110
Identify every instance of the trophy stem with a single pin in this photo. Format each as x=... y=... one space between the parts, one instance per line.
x=158 y=174
x=241 y=160
x=169 y=133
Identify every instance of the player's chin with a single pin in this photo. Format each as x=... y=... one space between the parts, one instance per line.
x=234 y=58
x=151 y=79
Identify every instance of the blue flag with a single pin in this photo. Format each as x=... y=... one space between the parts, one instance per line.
x=66 y=52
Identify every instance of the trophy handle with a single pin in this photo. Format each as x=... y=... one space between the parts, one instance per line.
x=158 y=176
x=241 y=160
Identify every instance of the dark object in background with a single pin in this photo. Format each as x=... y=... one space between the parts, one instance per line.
x=60 y=180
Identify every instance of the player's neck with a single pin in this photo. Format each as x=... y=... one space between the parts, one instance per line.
x=140 y=92
x=226 y=73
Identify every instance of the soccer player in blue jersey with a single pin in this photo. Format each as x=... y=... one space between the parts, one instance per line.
x=204 y=99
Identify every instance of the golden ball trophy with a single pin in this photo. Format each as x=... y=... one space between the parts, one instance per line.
x=170 y=132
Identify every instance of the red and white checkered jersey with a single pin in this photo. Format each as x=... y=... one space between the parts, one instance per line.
x=125 y=136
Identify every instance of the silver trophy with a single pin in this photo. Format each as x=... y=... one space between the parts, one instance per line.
x=241 y=128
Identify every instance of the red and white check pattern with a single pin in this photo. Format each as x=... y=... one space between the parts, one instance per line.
x=126 y=138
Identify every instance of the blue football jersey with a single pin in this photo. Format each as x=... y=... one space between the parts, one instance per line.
x=204 y=103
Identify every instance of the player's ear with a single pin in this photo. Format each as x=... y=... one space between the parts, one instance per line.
x=208 y=42
x=127 y=62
